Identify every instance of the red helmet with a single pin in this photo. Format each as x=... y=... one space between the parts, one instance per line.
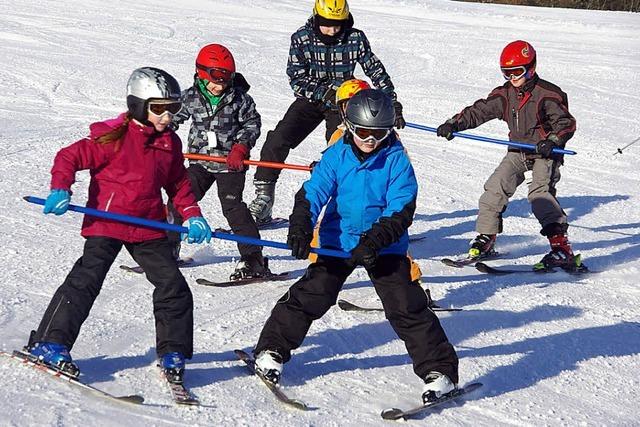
x=215 y=63
x=517 y=53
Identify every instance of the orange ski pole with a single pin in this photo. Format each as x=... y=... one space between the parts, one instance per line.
x=272 y=165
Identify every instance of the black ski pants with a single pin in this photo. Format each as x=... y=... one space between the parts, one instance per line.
x=230 y=187
x=172 y=299
x=299 y=121
x=404 y=303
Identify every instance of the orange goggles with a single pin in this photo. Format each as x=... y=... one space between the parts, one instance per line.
x=161 y=108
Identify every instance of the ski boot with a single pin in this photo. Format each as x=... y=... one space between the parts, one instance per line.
x=436 y=385
x=262 y=205
x=172 y=365
x=482 y=246
x=269 y=365
x=561 y=255
x=56 y=356
x=251 y=266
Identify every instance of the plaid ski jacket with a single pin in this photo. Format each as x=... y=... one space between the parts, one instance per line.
x=235 y=120
x=313 y=67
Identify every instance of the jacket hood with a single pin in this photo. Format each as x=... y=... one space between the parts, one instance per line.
x=98 y=129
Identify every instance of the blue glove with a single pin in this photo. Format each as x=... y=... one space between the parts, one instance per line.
x=57 y=202
x=199 y=230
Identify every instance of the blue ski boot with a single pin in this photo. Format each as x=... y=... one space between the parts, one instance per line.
x=172 y=365
x=55 y=356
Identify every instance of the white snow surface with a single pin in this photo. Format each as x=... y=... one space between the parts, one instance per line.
x=550 y=349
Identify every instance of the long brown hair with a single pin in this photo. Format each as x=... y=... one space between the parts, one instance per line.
x=115 y=135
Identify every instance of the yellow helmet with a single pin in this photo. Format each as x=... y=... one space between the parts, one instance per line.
x=335 y=10
x=349 y=88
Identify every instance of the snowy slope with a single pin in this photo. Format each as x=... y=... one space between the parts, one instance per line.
x=551 y=350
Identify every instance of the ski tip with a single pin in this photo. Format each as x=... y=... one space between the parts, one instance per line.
x=344 y=305
x=472 y=386
x=392 y=414
x=241 y=354
x=299 y=404
x=134 y=398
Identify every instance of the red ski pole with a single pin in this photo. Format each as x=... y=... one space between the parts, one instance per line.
x=272 y=165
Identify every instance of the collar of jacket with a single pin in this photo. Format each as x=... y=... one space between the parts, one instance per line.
x=528 y=86
x=314 y=26
x=138 y=132
x=149 y=137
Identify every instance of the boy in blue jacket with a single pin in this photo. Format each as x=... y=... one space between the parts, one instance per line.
x=368 y=184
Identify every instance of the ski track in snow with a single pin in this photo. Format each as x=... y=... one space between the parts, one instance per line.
x=546 y=347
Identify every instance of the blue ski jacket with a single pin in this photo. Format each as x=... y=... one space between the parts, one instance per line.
x=375 y=195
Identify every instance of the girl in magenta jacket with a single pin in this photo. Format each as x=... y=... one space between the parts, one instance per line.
x=131 y=159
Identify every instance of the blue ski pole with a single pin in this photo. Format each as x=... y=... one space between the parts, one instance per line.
x=491 y=140
x=180 y=229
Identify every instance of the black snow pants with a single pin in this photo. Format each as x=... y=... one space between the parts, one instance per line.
x=299 y=121
x=172 y=300
x=230 y=187
x=404 y=304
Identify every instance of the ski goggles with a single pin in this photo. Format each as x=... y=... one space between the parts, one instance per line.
x=369 y=134
x=513 y=73
x=217 y=75
x=158 y=108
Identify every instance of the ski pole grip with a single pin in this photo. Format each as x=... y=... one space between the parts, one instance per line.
x=491 y=140
x=180 y=229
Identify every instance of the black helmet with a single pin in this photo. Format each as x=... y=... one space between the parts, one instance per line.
x=370 y=108
x=149 y=83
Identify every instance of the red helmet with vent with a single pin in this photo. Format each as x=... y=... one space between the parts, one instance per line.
x=518 y=54
x=215 y=63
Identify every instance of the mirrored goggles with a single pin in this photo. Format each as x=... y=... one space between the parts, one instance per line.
x=514 y=73
x=217 y=75
x=160 y=108
x=369 y=134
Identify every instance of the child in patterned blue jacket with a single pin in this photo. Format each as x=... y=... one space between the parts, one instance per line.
x=368 y=184
x=323 y=54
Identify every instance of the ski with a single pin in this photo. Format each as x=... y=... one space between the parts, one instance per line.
x=347 y=306
x=182 y=262
x=31 y=361
x=396 y=414
x=179 y=393
x=503 y=271
x=274 y=388
x=231 y=283
x=465 y=261
x=413 y=239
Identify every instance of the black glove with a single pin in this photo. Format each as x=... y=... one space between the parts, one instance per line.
x=365 y=254
x=299 y=239
x=400 y=122
x=545 y=147
x=329 y=98
x=447 y=129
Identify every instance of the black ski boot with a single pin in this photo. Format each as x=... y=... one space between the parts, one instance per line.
x=251 y=266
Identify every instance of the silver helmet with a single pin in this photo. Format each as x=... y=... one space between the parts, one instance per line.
x=371 y=108
x=149 y=83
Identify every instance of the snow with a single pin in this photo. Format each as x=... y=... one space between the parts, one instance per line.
x=551 y=350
